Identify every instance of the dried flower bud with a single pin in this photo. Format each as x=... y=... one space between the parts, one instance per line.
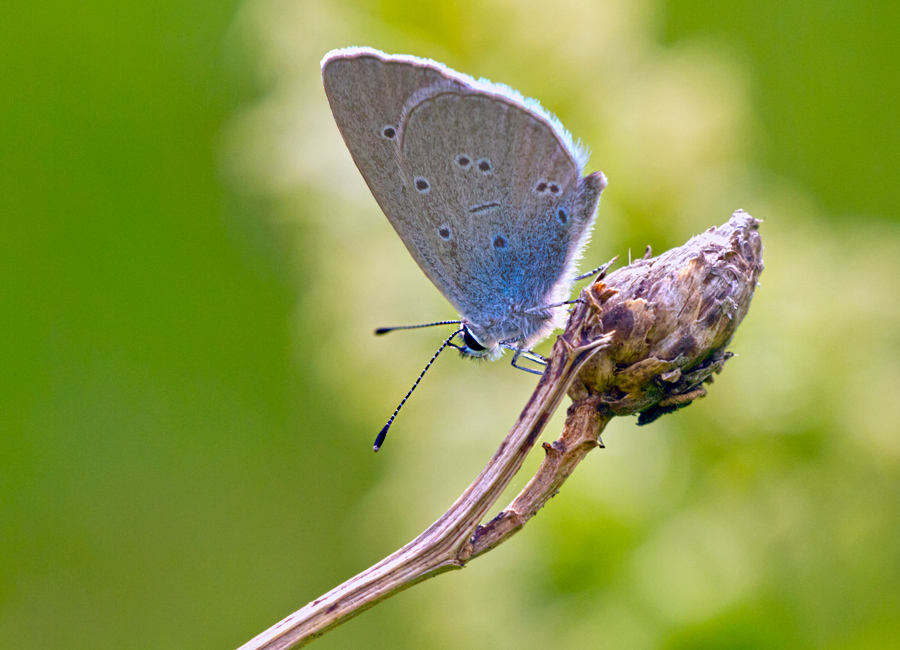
x=672 y=318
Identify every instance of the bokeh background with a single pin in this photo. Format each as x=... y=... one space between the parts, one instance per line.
x=191 y=268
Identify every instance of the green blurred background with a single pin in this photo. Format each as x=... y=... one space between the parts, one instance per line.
x=191 y=268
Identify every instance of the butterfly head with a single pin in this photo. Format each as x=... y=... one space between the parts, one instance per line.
x=477 y=345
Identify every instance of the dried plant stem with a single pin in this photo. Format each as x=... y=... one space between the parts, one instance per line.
x=665 y=324
x=585 y=422
x=448 y=543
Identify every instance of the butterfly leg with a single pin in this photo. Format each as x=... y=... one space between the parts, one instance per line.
x=534 y=356
x=525 y=354
x=531 y=355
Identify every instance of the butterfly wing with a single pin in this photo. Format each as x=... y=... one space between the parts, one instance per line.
x=482 y=187
x=368 y=91
x=499 y=199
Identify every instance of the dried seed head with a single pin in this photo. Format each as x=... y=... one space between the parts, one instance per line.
x=672 y=318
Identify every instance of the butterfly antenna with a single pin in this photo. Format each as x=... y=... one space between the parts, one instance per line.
x=600 y=270
x=385 y=330
x=383 y=433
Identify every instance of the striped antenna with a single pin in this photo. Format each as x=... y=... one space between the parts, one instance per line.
x=383 y=433
x=385 y=330
x=600 y=270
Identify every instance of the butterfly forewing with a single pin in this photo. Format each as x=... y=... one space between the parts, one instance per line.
x=367 y=93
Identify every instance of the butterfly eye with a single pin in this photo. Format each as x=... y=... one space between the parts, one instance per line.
x=471 y=342
x=389 y=132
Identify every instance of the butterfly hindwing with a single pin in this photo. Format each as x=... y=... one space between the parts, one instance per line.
x=495 y=192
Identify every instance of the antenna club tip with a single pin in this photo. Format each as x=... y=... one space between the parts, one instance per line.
x=379 y=440
x=382 y=330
